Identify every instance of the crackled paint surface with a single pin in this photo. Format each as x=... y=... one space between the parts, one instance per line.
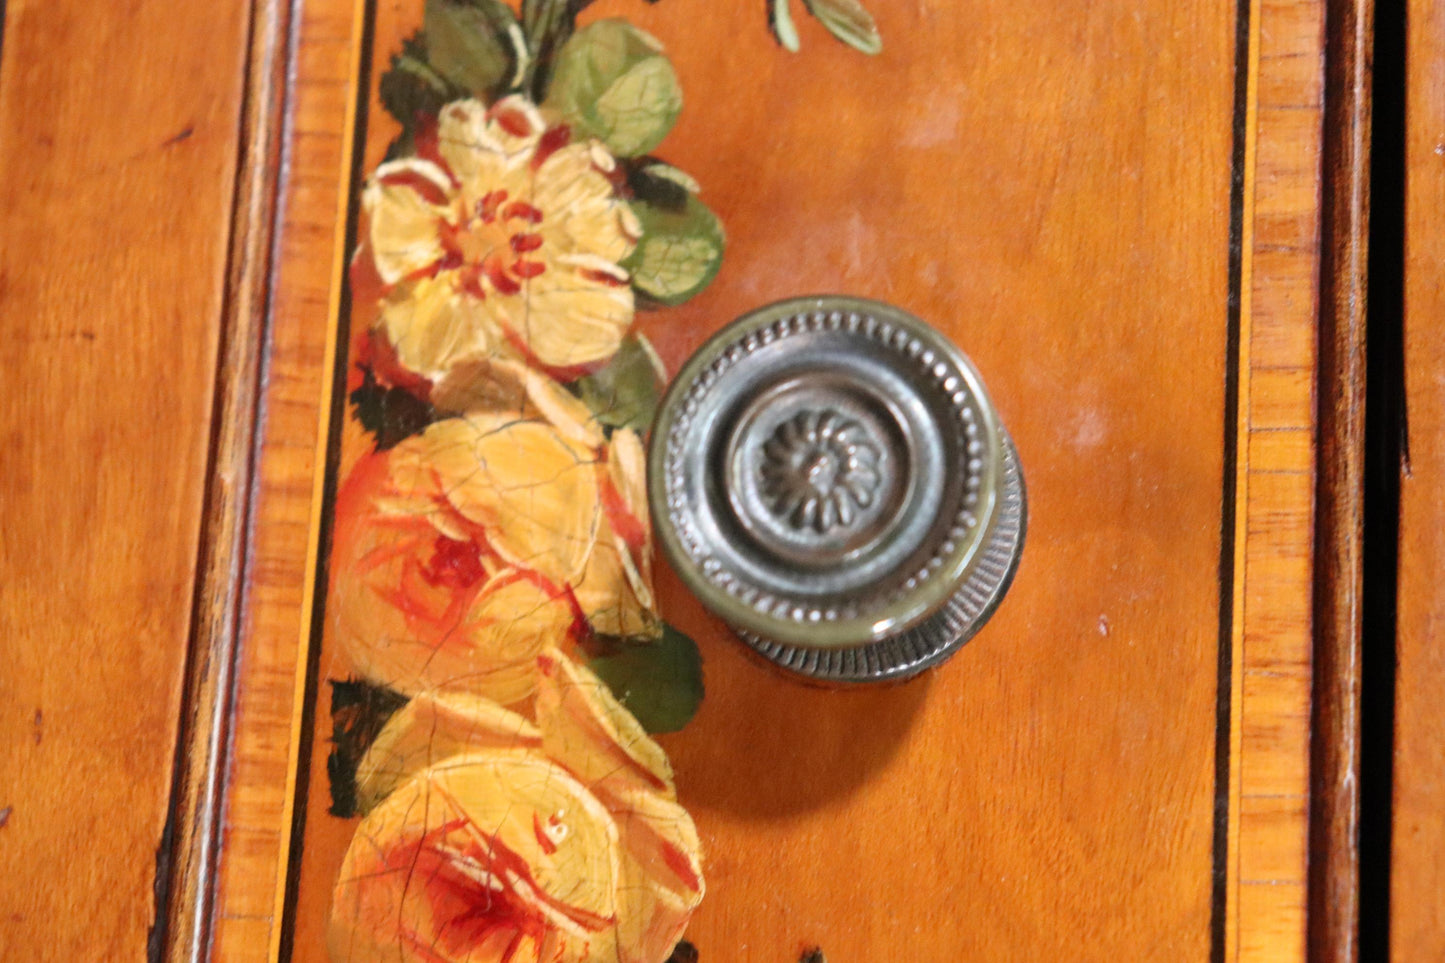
x=496 y=664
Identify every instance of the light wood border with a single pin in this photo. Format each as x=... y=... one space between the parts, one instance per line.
x=252 y=839
x=1270 y=787
x=236 y=856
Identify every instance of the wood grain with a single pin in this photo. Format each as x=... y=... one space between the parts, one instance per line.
x=1417 y=925
x=1339 y=556
x=1057 y=776
x=250 y=877
x=198 y=806
x=978 y=792
x=1274 y=637
x=120 y=125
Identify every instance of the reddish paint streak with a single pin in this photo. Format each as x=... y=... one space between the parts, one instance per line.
x=627 y=525
x=512 y=120
x=528 y=269
x=603 y=277
x=376 y=352
x=552 y=141
x=490 y=205
x=469 y=280
x=454 y=565
x=552 y=590
x=495 y=266
x=513 y=948
x=522 y=211
x=681 y=866
x=581 y=629
x=543 y=840
x=446 y=262
x=470 y=910
x=429 y=190
x=562 y=373
x=421 y=947
x=427 y=146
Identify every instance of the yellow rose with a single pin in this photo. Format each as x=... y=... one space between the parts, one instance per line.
x=503 y=238
x=465 y=550
x=499 y=840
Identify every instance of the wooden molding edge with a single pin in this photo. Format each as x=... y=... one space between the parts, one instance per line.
x=1339 y=533
x=185 y=870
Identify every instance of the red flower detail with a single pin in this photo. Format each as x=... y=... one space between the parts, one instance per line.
x=552 y=141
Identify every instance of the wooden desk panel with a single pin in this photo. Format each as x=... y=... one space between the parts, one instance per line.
x=1269 y=640
x=1417 y=888
x=1072 y=778
x=119 y=126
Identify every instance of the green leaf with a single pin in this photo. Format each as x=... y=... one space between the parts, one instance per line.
x=780 y=18
x=659 y=184
x=680 y=251
x=667 y=172
x=359 y=710
x=626 y=393
x=849 y=22
x=658 y=682
x=613 y=82
x=473 y=44
x=411 y=87
x=547 y=25
x=541 y=18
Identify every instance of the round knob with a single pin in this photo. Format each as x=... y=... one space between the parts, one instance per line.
x=829 y=477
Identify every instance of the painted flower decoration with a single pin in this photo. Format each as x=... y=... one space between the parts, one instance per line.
x=513 y=810
x=508 y=841
x=503 y=238
x=464 y=551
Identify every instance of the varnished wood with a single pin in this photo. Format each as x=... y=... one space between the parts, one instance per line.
x=250 y=879
x=1272 y=669
x=1339 y=559
x=120 y=129
x=198 y=808
x=1417 y=923
x=1276 y=474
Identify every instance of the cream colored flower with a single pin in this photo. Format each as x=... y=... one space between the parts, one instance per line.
x=505 y=241
x=500 y=840
x=465 y=550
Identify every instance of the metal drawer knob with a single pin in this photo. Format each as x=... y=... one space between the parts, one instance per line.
x=829 y=477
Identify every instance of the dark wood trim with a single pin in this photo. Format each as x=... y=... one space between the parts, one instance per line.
x=1225 y=695
x=1386 y=458
x=1335 y=753
x=195 y=828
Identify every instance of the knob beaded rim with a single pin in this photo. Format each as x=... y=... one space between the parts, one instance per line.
x=825 y=474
